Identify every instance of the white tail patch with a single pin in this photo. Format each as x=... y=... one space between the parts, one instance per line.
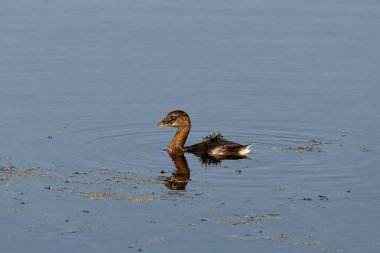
x=245 y=150
x=217 y=151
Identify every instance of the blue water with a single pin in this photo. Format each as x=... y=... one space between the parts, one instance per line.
x=83 y=85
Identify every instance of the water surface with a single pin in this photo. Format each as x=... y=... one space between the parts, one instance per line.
x=84 y=84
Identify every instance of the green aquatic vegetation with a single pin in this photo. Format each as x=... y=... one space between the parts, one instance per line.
x=207 y=161
x=205 y=145
x=213 y=138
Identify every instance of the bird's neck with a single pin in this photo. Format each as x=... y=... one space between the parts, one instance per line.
x=179 y=139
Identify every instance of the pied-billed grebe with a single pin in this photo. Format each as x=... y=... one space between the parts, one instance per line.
x=214 y=145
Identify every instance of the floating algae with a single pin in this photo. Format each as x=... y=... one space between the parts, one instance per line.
x=114 y=195
x=248 y=219
x=27 y=173
x=311 y=243
x=213 y=138
x=313 y=145
x=280 y=237
x=6 y=158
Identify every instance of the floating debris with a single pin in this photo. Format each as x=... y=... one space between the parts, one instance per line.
x=313 y=145
x=323 y=197
x=311 y=243
x=280 y=237
x=81 y=229
x=249 y=202
x=6 y=158
x=11 y=172
x=226 y=222
x=101 y=195
x=154 y=239
x=248 y=219
x=149 y=181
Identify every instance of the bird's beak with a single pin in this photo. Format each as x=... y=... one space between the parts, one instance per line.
x=164 y=123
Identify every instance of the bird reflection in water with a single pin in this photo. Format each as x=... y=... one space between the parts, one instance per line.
x=211 y=151
x=181 y=176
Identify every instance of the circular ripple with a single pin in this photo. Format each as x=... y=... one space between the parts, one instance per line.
x=339 y=158
x=121 y=145
x=139 y=146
